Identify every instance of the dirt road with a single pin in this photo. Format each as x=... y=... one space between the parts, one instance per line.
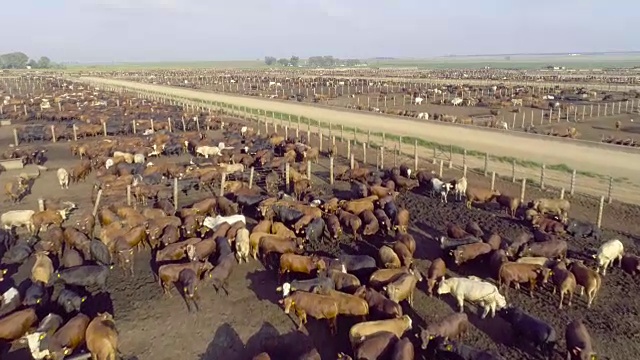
x=576 y=155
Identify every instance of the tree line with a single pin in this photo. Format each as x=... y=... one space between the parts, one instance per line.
x=20 y=60
x=313 y=61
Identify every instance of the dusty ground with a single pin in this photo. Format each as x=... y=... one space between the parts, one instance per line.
x=247 y=321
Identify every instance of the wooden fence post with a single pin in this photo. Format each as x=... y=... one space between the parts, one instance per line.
x=486 y=164
x=440 y=169
x=128 y=195
x=542 y=173
x=319 y=139
x=251 y=177
x=331 y=170
x=53 y=133
x=95 y=206
x=75 y=132
x=522 y=189
x=493 y=180
x=41 y=204
x=15 y=137
x=175 y=194
x=223 y=182
x=600 y=210
x=348 y=149
x=610 y=191
x=286 y=175
x=464 y=170
x=382 y=157
x=104 y=128
x=573 y=182
x=352 y=162
x=415 y=156
x=561 y=193
x=364 y=152
x=309 y=170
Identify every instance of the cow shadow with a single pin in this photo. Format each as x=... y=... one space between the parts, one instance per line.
x=99 y=303
x=226 y=344
x=263 y=283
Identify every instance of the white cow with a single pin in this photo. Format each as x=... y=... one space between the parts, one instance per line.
x=242 y=245
x=516 y=102
x=63 y=178
x=418 y=101
x=231 y=168
x=108 y=163
x=440 y=187
x=456 y=101
x=213 y=222
x=17 y=218
x=139 y=158
x=503 y=125
x=207 y=151
x=474 y=290
x=423 y=115
x=608 y=253
x=460 y=188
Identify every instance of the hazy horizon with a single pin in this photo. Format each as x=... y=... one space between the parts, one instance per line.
x=105 y=31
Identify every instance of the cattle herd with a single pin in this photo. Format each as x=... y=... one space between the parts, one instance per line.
x=365 y=292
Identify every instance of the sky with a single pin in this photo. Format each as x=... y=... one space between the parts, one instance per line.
x=89 y=31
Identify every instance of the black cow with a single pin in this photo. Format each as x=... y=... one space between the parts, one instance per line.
x=446 y=243
x=383 y=220
x=315 y=230
x=287 y=215
x=583 y=229
x=18 y=253
x=525 y=326
x=85 y=275
x=100 y=252
x=35 y=295
x=455 y=350
x=357 y=262
x=224 y=249
x=391 y=210
x=70 y=301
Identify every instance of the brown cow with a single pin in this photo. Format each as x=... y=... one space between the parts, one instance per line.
x=348 y=305
x=343 y=281
x=481 y=195
x=42 y=268
x=401 y=222
x=300 y=187
x=78 y=240
x=456 y=232
x=403 y=287
x=405 y=255
x=281 y=229
x=333 y=225
x=302 y=223
x=521 y=273
x=357 y=206
x=331 y=206
x=509 y=203
x=68 y=337
x=351 y=221
x=464 y=253
x=563 y=282
x=280 y=245
x=316 y=305
x=382 y=277
x=388 y=258
x=436 y=273
x=474 y=229
x=299 y=264
x=16 y=324
x=170 y=273
x=102 y=337
x=175 y=251
x=451 y=326
x=587 y=279
x=548 y=225
x=408 y=241
x=379 y=305
x=48 y=217
x=403 y=350
x=370 y=222
x=494 y=240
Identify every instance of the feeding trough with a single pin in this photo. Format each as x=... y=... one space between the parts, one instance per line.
x=12 y=164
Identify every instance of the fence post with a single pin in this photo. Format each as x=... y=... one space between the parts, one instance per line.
x=573 y=182
x=341 y=132
x=319 y=139
x=104 y=128
x=610 y=191
x=286 y=177
x=309 y=170
x=171 y=124
x=251 y=177
x=464 y=157
x=440 y=169
x=95 y=206
x=415 y=156
x=522 y=189
x=352 y=162
x=464 y=170
x=382 y=157
x=128 y=195
x=493 y=180
x=364 y=152
x=542 y=173
x=175 y=194
x=41 y=204
x=331 y=170
x=561 y=193
x=75 y=132
x=600 y=209
x=224 y=180
x=486 y=164
x=384 y=136
x=348 y=149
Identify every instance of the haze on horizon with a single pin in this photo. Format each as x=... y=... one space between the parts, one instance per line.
x=197 y=30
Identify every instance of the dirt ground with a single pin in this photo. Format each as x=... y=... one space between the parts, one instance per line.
x=249 y=320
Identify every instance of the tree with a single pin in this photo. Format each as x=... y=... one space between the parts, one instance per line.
x=269 y=60
x=294 y=61
x=15 y=60
x=44 y=62
x=283 y=62
x=32 y=63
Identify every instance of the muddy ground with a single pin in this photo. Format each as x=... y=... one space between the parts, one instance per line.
x=249 y=319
